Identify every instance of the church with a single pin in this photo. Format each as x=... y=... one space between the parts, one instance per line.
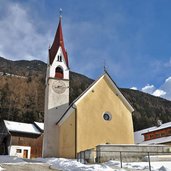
x=100 y=115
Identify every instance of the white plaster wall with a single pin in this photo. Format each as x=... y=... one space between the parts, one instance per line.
x=55 y=106
x=13 y=151
x=57 y=63
x=55 y=99
x=47 y=73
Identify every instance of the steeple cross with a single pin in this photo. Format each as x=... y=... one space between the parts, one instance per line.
x=60 y=12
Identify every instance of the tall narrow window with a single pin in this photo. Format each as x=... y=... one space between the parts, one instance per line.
x=60 y=58
x=59 y=72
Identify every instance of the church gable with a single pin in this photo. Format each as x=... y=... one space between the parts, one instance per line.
x=103 y=117
x=113 y=87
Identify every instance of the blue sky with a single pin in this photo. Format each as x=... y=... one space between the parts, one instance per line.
x=132 y=37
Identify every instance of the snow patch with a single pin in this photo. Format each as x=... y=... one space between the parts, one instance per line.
x=134 y=88
x=73 y=165
x=10 y=159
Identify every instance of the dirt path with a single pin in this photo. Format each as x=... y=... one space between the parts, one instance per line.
x=27 y=167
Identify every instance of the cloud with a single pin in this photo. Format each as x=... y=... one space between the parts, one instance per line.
x=168 y=64
x=161 y=64
x=19 y=35
x=167 y=88
x=163 y=91
x=168 y=80
x=159 y=93
x=148 y=89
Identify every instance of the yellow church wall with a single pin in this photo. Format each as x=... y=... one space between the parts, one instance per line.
x=67 y=137
x=92 y=129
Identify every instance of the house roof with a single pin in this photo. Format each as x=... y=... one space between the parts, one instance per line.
x=139 y=137
x=40 y=125
x=58 y=42
x=156 y=128
x=119 y=94
x=21 y=127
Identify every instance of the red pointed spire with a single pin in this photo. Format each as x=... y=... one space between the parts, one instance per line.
x=58 y=42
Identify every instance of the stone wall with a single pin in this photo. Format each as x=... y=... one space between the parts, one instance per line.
x=107 y=152
x=128 y=152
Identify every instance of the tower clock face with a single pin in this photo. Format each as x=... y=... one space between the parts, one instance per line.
x=59 y=86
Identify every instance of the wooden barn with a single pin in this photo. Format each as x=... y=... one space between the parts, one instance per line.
x=21 y=139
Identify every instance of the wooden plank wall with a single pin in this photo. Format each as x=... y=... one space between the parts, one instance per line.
x=34 y=141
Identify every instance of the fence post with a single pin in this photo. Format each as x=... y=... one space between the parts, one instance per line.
x=77 y=157
x=98 y=153
x=149 y=161
x=121 y=158
x=84 y=156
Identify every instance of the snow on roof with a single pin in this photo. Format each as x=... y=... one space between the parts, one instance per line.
x=21 y=127
x=156 y=128
x=139 y=137
x=40 y=125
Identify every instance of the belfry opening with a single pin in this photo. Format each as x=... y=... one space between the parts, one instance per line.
x=59 y=73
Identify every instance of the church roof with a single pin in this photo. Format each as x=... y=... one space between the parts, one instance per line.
x=58 y=42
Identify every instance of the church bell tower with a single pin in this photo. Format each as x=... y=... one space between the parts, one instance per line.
x=56 y=92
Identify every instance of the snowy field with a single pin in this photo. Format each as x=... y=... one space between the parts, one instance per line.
x=72 y=165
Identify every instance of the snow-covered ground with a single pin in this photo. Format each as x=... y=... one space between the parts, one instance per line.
x=73 y=165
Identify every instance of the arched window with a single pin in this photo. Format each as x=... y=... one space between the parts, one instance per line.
x=59 y=72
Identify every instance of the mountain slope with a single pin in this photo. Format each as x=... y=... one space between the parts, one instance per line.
x=23 y=67
x=22 y=98
x=148 y=108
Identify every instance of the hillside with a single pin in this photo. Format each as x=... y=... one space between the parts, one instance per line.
x=148 y=108
x=23 y=67
x=22 y=94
